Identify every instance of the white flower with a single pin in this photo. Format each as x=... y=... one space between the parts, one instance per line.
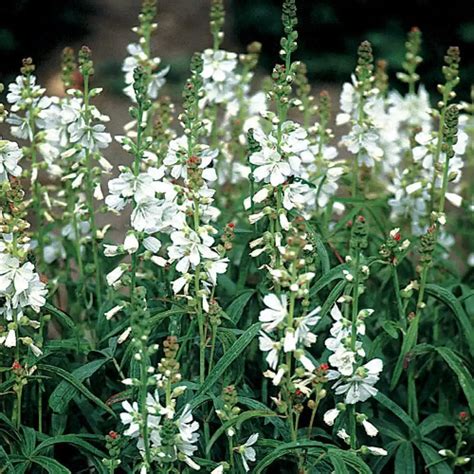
x=152 y=244
x=376 y=451
x=369 y=428
x=189 y=249
x=218 y=65
x=216 y=267
x=92 y=137
x=112 y=312
x=248 y=453
x=275 y=311
x=289 y=344
x=304 y=326
x=218 y=470
x=188 y=436
x=266 y=344
x=330 y=416
x=342 y=433
x=146 y=215
x=137 y=57
x=343 y=359
x=115 y=275
x=131 y=416
x=10 y=340
x=124 y=336
x=306 y=362
x=360 y=386
x=270 y=166
x=130 y=243
x=36 y=350
x=10 y=155
x=365 y=143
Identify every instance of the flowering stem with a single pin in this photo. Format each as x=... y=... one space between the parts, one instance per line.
x=313 y=416
x=355 y=311
x=396 y=284
x=36 y=187
x=143 y=405
x=231 y=452
x=439 y=144
x=90 y=202
x=213 y=344
x=289 y=364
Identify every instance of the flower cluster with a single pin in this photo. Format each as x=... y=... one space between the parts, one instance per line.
x=22 y=292
x=140 y=55
x=169 y=437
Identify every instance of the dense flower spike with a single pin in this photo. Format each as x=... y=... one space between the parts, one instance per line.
x=271 y=298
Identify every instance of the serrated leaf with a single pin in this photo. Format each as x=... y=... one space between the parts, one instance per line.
x=399 y=412
x=434 y=422
x=437 y=464
x=237 y=421
x=333 y=274
x=236 y=308
x=405 y=459
x=464 y=377
x=337 y=463
x=409 y=342
x=64 y=393
x=72 y=439
x=64 y=319
x=224 y=362
x=51 y=465
x=288 y=448
x=28 y=440
x=74 y=384
x=450 y=300
x=331 y=299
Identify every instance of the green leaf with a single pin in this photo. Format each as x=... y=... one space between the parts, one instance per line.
x=322 y=253
x=237 y=421
x=434 y=422
x=73 y=439
x=399 y=412
x=450 y=300
x=51 y=465
x=159 y=317
x=256 y=405
x=333 y=274
x=63 y=393
x=458 y=367
x=236 y=308
x=405 y=459
x=237 y=348
x=73 y=383
x=29 y=440
x=5 y=462
x=437 y=464
x=64 y=319
x=354 y=461
x=332 y=298
x=379 y=464
x=408 y=342
x=288 y=448
x=198 y=400
x=337 y=463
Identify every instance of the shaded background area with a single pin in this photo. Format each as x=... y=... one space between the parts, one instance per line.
x=330 y=31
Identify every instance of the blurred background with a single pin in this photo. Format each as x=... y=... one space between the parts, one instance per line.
x=330 y=31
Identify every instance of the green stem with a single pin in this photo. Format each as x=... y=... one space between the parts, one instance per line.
x=396 y=284
x=355 y=312
x=143 y=405
x=90 y=201
x=231 y=453
x=439 y=144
